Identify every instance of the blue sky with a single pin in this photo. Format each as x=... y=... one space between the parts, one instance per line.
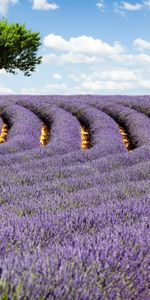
x=88 y=46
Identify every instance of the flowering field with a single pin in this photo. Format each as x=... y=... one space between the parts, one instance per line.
x=74 y=197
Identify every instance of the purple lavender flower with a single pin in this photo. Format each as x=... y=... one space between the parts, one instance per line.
x=75 y=224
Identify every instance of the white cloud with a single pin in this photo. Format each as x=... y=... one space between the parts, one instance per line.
x=109 y=80
x=111 y=86
x=44 y=5
x=3 y=72
x=142 y=44
x=100 y=5
x=4 y=4
x=56 y=87
x=98 y=86
x=118 y=9
x=50 y=89
x=77 y=58
x=131 y=7
x=57 y=76
x=118 y=75
x=32 y=91
x=130 y=60
x=71 y=58
x=91 y=87
x=145 y=84
x=98 y=67
x=4 y=90
x=106 y=80
x=49 y=58
x=81 y=44
x=87 y=50
x=125 y=6
x=142 y=59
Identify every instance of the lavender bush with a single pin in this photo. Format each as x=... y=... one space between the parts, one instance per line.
x=74 y=223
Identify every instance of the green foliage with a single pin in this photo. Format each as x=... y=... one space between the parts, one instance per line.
x=4 y=291
x=18 y=48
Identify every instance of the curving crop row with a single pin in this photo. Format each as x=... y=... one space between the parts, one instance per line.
x=75 y=224
x=24 y=129
x=64 y=128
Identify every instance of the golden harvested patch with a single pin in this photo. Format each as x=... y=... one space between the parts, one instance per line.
x=126 y=139
x=85 y=138
x=4 y=133
x=44 y=138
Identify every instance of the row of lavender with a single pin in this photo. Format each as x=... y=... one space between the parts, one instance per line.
x=75 y=224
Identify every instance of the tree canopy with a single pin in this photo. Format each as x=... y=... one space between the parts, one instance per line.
x=18 y=48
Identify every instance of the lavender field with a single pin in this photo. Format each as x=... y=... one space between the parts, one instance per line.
x=74 y=197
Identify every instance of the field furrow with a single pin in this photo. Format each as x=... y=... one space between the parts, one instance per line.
x=74 y=197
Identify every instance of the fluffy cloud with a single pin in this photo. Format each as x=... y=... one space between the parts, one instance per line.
x=81 y=44
x=107 y=80
x=99 y=86
x=142 y=59
x=118 y=75
x=101 y=5
x=44 y=5
x=79 y=50
x=122 y=7
x=49 y=89
x=125 y=6
x=71 y=58
x=57 y=76
x=87 y=50
x=142 y=44
x=133 y=60
x=4 y=90
x=91 y=66
x=4 y=4
x=131 y=7
x=92 y=87
x=114 y=81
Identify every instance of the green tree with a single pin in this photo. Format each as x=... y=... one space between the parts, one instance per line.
x=18 y=48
